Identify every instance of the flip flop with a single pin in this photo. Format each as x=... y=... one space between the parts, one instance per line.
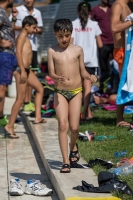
x=12 y=136
x=65 y=166
x=41 y=122
x=123 y=124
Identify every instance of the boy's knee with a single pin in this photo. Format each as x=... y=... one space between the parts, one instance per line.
x=41 y=90
x=74 y=129
x=21 y=100
x=63 y=126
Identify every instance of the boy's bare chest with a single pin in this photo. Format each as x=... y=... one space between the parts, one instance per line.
x=27 y=46
x=62 y=58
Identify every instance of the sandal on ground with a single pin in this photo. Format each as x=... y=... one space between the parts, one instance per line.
x=123 y=124
x=73 y=154
x=65 y=166
x=12 y=136
x=41 y=122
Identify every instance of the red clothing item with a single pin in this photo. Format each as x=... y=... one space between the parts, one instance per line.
x=103 y=19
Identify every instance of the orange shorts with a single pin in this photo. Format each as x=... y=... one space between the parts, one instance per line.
x=119 y=54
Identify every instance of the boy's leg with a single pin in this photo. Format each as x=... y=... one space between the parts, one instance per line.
x=28 y=94
x=87 y=93
x=21 y=91
x=3 y=89
x=35 y=84
x=61 y=108
x=74 y=115
x=34 y=68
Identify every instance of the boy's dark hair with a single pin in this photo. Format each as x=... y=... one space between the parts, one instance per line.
x=83 y=11
x=63 y=25
x=30 y=20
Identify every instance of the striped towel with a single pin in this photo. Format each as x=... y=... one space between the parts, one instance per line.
x=125 y=90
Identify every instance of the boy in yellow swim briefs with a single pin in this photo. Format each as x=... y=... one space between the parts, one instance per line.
x=66 y=68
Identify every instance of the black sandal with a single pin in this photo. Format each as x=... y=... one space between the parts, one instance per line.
x=65 y=166
x=73 y=154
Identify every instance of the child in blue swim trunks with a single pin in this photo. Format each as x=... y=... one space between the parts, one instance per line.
x=66 y=68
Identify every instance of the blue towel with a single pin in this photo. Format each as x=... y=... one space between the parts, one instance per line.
x=125 y=90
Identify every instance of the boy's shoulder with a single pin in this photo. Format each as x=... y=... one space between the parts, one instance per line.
x=76 y=47
x=21 y=36
x=53 y=48
x=70 y=47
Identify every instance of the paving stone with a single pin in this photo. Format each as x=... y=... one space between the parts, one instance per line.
x=20 y=158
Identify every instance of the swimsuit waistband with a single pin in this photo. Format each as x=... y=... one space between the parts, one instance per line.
x=74 y=90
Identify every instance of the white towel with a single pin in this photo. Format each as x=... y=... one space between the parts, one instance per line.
x=129 y=82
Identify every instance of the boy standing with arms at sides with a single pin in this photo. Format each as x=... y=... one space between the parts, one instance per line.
x=66 y=68
x=24 y=75
x=23 y=11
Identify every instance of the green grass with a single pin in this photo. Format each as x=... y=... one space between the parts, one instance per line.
x=104 y=123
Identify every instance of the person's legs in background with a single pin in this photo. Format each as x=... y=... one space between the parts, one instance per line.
x=104 y=54
x=28 y=105
x=119 y=58
x=87 y=94
x=3 y=89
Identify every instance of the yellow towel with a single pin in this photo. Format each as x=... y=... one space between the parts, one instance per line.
x=98 y=198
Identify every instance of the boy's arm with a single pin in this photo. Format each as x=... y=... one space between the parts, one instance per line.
x=83 y=71
x=51 y=68
x=19 y=47
x=99 y=41
x=116 y=25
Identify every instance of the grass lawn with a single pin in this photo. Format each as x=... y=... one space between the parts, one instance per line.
x=104 y=123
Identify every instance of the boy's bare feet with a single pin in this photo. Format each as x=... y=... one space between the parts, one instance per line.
x=10 y=133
